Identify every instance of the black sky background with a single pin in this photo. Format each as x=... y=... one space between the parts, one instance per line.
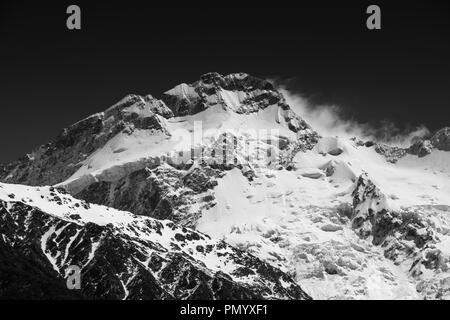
x=51 y=77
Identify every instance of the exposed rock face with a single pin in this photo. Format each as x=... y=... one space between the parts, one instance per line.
x=405 y=236
x=392 y=153
x=212 y=89
x=441 y=139
x=163 y=193
x=371 y=218
x=26 y=274
x=238 y=92
x=421 y=148
x=122 y=257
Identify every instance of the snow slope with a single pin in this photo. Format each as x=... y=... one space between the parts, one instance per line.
x=297 y=219
x=126 y=152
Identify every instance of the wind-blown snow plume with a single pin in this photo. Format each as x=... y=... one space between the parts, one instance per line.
x=329 y=120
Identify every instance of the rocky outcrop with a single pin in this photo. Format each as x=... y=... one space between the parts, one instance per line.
x=368 y=201
x=421 y=148
x=372 y=217
x=391 y=153
x=406 y=237
x=441 y=139
x=162 y=193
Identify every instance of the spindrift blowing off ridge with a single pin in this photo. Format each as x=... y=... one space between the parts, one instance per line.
x=220 y=190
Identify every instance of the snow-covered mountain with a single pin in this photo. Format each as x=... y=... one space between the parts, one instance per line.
x=136 y=195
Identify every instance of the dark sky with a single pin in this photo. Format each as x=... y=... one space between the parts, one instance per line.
x=51 y=77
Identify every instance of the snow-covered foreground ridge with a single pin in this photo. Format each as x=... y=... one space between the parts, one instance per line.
x=228 y=157
x=123 y=256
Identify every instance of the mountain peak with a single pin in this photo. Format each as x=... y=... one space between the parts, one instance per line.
x=238 y=92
